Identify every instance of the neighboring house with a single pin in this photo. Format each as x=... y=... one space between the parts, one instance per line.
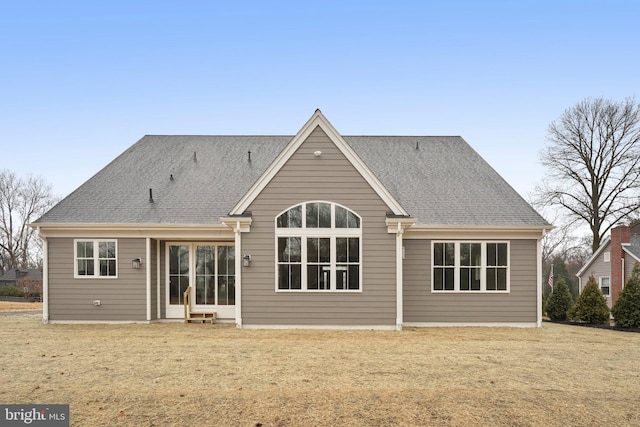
x=611 y=265
x=315 y=230
x=12 y=277
x=27 y=280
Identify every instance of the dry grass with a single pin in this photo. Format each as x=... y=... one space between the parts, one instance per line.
x=6 y=306
x=171 y=374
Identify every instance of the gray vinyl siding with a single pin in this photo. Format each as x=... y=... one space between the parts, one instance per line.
x=332 y=178
x=422 y=305
x=122 y=299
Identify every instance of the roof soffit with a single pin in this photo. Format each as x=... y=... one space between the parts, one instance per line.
x=317 y=120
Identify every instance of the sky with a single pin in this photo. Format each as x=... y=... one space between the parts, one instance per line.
x=82 y=81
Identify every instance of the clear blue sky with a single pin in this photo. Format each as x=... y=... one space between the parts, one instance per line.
x=82 y=81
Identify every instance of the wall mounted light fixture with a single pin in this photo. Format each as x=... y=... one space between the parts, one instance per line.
x=136 y=263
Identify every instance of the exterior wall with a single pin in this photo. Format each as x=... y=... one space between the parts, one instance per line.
x=122 y=299
x=332 y=178
x=423 y=306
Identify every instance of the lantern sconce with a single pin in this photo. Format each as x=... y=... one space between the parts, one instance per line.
x=135 y=263
x=246 y=260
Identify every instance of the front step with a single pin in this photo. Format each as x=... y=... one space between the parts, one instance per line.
x=201 y=317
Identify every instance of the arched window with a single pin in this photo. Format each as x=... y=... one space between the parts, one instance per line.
x=318 y=247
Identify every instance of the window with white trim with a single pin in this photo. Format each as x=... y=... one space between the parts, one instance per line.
x=470 y=266
x=95 y=258
x=605 y=286
x=318 y=247
x=607 y=257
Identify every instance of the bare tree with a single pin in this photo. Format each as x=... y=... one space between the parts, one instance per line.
x=593 y=164
x=22 y=201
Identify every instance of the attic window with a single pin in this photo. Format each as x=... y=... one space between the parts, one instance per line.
x=318 y=215
x=607 y=257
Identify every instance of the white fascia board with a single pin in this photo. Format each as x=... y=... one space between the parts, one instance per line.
x=317 y=119
x=471 y=324
x=100 y=322
x=156 y=231
x=475 y=232
x=593 y=257
x=324 y=327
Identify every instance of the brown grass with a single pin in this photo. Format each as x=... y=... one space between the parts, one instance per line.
x=6 y=306
x=171 y=374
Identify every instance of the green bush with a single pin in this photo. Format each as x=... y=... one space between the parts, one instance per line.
x=559 y=301
x=591 y=306
x=10 y=291
x=626 y=310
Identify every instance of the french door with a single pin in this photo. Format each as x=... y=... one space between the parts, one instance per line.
x=209 y=268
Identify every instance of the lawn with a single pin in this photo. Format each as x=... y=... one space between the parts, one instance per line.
x=19 y=306
x=172 y=374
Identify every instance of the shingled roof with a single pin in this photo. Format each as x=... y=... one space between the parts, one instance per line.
x=440 y=181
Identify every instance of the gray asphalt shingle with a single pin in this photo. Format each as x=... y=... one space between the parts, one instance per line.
x=442 y=182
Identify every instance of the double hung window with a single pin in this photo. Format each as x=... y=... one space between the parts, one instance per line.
x=95 y=258
x=605 y=286
x=470 y=266
x=318 y=248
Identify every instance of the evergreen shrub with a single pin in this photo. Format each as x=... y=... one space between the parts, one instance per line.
x=591 y=306
x=626 y=310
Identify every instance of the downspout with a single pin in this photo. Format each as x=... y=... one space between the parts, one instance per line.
x=238 y=262
x=158 y=282
x=148 y=278
x=45 y=277
x=539 y=280
x=579 y=285
x=399 y=299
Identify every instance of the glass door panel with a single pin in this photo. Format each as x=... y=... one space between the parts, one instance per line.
x=226 y=275
x=205 y=275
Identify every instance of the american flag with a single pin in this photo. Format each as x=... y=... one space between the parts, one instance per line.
x=550 y=282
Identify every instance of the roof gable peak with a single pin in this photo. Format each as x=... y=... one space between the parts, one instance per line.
x=317 y=119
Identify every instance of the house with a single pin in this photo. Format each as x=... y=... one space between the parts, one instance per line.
x=316 y=230
x=611 y=265
x=27 y=279
x=13 y=277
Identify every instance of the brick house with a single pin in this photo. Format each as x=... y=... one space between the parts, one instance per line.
x=613 y=262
